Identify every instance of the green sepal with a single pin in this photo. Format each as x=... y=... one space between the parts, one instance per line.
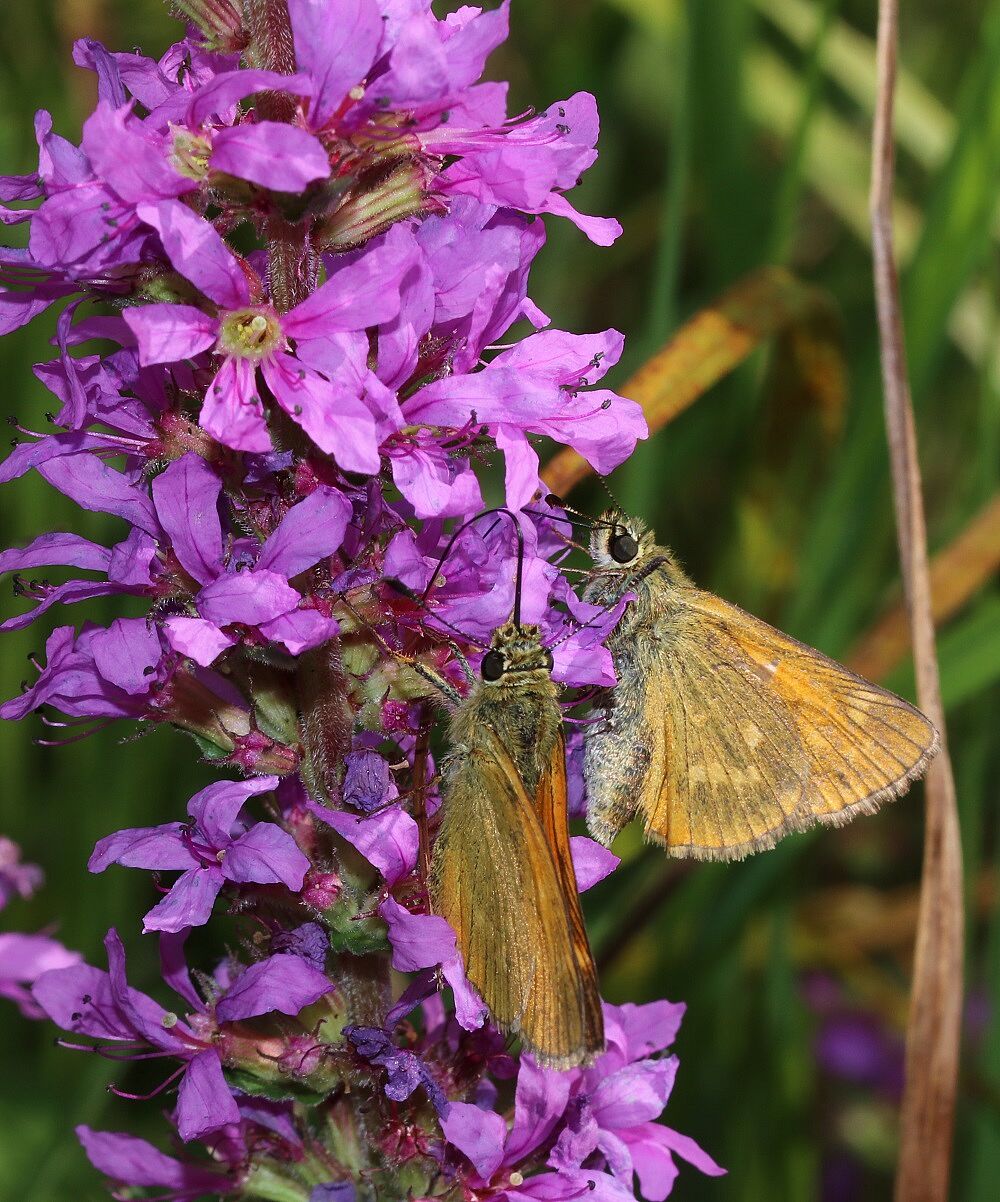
x=359 y=936
x=208 y=749
x=271 y=1185
x=278 y=1089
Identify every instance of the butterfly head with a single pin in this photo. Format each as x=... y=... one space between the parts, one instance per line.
x=515 y=651
x=620 y=544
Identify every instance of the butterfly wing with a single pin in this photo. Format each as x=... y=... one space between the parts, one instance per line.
x=496 y=882
x=553 y=810
x=745 y=734
x=864 y=745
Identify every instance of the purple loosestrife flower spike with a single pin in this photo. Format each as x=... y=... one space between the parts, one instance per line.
x=305 y=231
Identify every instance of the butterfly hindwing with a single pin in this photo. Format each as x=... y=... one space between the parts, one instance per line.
x=727 y=770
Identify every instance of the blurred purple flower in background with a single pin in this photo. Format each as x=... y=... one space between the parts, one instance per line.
x=24 y=958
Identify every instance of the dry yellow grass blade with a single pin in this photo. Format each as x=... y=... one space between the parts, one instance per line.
x=766 y=304
x=935 y=1018
x=958 y=572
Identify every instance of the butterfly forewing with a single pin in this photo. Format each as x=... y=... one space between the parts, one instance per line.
x=497 y=882
x=863 y=744
x=728 y=772
x=742 y=734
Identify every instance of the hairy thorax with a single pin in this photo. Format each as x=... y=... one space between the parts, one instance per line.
x=523 y=711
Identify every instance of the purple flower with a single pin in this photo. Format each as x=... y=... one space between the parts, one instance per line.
x=535 y=388
x=102 y=1006
x=615 y=1104
x=211 y=849
x=368 y=784
x=181 y=525
x=405 y=1071
x=424 y=942
x=856 y=1046
x=528 y=165
x=321 y=386
x=16 y=879
x=384 y=206
x=90 y=221
x=136 y=1163
x=335 y=1191
x=98 y=674
x=282 y=984
x=249 y=587
x=309 y=942
x=604 y=1116
x=23 y=959
x=403 y=70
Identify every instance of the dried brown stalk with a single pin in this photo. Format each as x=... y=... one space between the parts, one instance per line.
x=766 y=304
x=932 y=1039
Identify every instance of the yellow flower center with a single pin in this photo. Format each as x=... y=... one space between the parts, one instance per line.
x=189 y=153
x=250 y=333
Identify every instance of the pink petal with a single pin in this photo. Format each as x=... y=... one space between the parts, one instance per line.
x=276 y=156
x=188 y=904
x=266 y=855
x=470 y=1009
x=135 y=1162
x=166 y=333
x=283 y=983
x=204 y=1102
x=199 y=640
x=233 y=413
x=479 y=1134
x=249 y=597
x=332 y=414
x=186 y=496
x=309 y=532
x=591 y=861
x=300 y=630
x=336 y=54
x=361 y=294
x=197 y=251
x=388 y=840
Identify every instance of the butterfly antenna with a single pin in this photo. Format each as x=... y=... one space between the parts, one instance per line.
x=647 y=569
x=519 y=576
x=603 y=481
x=428 y=674
x=577 y=626
x=558 y=503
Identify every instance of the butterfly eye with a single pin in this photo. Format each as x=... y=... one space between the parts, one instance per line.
x=492 y=667
x=623 y=548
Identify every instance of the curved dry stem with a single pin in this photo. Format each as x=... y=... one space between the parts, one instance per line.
x=932 y=1038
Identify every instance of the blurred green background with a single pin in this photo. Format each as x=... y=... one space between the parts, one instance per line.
x=735 y=134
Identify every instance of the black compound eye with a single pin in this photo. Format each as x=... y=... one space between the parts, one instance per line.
x=548 y=661
x=492 y=667
x=623 y=548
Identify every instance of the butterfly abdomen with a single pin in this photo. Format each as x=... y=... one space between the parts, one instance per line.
x=617 y=754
